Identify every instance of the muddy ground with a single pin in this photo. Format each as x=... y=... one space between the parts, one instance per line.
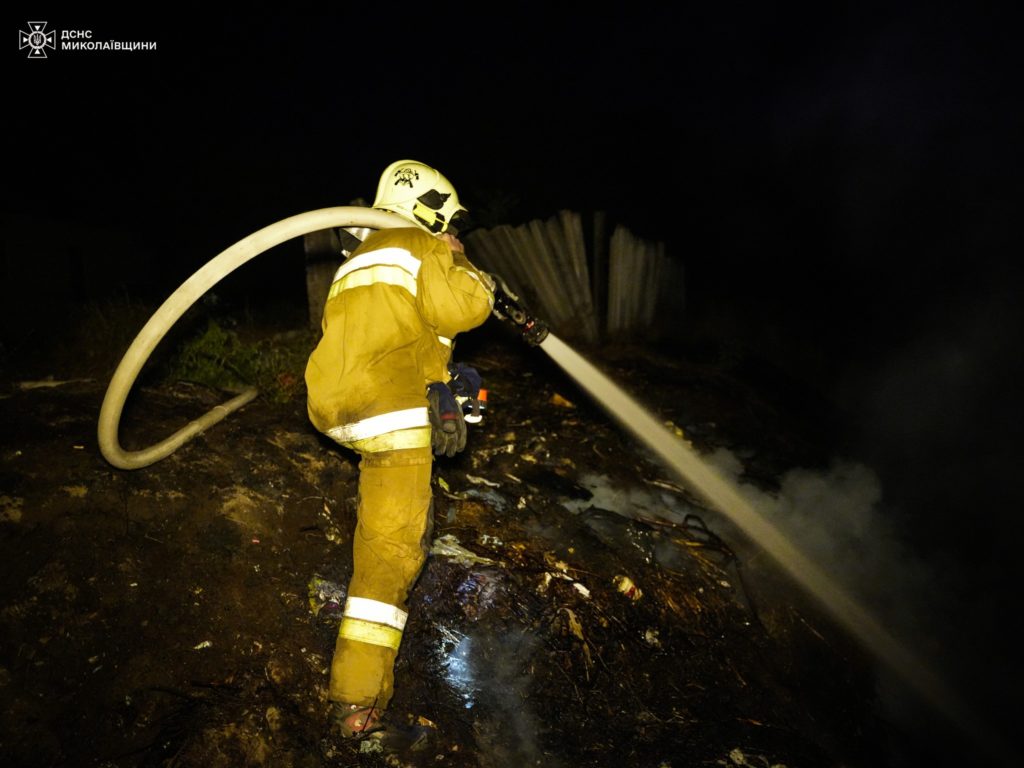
x=165 y=617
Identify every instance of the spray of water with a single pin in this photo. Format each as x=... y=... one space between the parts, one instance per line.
x=722 y=494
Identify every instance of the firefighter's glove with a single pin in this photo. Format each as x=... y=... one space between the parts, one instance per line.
x=447 y=425
x=466 y=382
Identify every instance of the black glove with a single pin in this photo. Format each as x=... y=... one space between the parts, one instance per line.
x=448 y=427
x=466 y=382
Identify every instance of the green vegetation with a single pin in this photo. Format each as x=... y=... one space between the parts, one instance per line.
x=219 y=357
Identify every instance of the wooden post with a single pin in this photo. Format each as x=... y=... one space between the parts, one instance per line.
x=323 y=255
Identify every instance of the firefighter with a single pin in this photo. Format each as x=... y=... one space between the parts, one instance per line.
x=381 y=383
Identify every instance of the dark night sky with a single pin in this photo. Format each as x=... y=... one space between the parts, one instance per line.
x=814 y=157
x=841 y=183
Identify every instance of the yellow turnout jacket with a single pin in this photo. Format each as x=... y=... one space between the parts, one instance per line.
x=392 y=312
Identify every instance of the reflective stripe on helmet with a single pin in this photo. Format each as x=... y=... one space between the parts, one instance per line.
x=431 y=219
x=374 y=610
x=378 y=425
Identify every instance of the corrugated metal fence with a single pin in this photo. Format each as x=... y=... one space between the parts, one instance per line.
x=623 y=287
x=620 y=288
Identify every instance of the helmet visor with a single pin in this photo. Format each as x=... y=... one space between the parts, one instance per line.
x=461 y=222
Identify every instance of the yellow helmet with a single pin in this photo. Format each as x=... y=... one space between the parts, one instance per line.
x=420 y=194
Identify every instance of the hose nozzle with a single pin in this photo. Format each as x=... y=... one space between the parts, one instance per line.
x=508 y=308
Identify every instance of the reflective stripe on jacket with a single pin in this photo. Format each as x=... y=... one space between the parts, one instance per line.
x=391 y=313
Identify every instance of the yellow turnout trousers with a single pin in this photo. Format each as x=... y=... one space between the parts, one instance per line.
x=395 y=520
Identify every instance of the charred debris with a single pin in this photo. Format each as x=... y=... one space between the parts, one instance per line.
x=185 y=614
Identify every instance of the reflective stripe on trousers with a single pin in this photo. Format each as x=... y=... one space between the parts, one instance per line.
x=373 y=622
x=389 y=549
x=390 y=426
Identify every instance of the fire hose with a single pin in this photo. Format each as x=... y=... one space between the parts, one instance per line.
x=181 y=300
x=507 y=307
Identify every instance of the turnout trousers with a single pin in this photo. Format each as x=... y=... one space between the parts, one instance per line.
x=389 y=548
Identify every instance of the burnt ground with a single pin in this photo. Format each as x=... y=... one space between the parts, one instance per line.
x=164 y=616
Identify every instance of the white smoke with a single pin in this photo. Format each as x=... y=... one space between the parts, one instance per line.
x=489 y=671
x=834 y=516
x=837 y=518
x=633 y=502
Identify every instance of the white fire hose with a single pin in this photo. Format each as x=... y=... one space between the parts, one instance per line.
x=182 y=299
